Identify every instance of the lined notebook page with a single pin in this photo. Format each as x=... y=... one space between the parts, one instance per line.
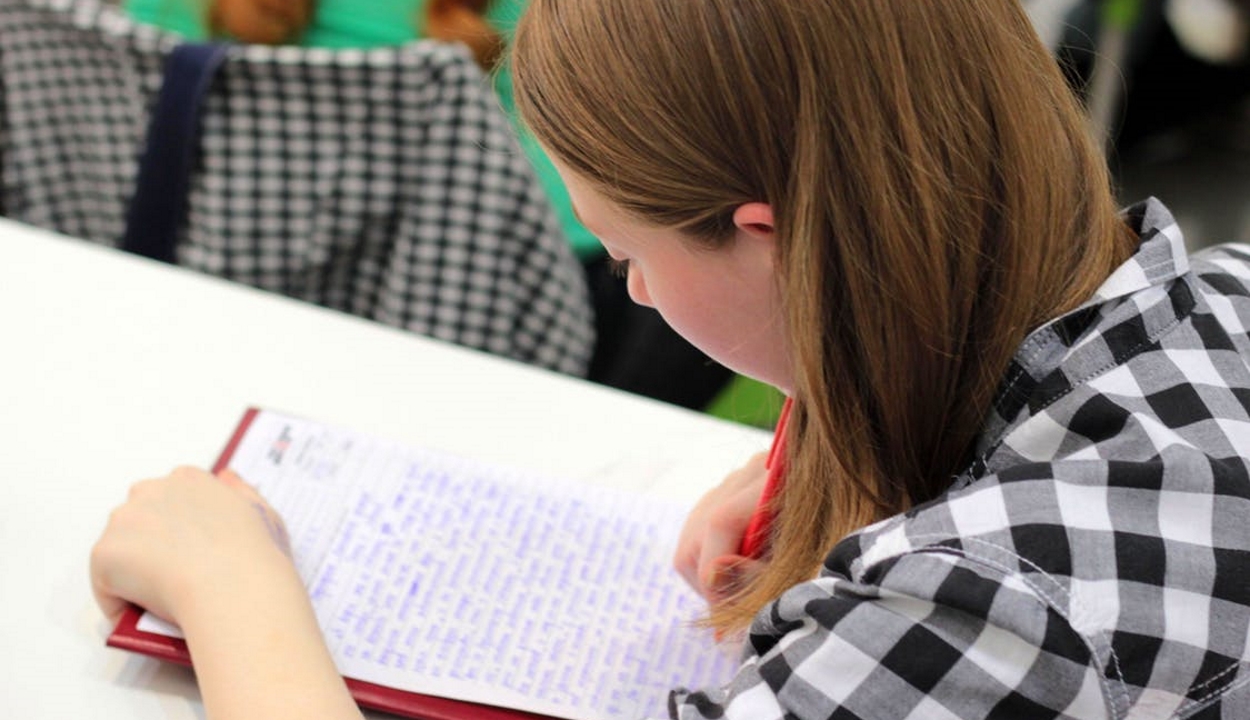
x=444 y=576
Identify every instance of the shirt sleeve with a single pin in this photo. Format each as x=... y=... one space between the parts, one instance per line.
x=966 y=644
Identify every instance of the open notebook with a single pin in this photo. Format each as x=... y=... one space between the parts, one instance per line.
x=440 y=581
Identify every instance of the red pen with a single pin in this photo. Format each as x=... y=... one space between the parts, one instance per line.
x=755 y=540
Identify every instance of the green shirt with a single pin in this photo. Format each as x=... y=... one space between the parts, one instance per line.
x=377 y=23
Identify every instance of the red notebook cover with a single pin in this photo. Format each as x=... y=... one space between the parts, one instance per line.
x=127 y=636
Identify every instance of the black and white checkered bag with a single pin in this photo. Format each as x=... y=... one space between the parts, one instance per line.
x=385 y=183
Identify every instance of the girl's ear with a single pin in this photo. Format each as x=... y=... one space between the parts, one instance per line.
x=755 y=219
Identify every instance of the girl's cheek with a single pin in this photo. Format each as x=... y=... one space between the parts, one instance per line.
x=636 y=284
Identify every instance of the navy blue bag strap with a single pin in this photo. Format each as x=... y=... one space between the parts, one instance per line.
x=159 y=205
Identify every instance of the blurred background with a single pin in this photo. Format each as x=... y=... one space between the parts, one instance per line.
x=1167 y=83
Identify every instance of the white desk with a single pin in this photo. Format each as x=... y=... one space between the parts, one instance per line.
x=113 y=369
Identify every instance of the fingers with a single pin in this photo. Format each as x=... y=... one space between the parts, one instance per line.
x=724 y=532
x=113 y=552
x=686 y=562
x=716 y=526
x=115 y=584
x=110 y=606
x=110 y=603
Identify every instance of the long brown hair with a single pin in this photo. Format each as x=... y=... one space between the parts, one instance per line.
x=936 y=196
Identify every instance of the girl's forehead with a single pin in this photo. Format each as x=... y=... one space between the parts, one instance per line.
x=595 y=212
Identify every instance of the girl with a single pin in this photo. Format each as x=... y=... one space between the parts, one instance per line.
x=1012 y=480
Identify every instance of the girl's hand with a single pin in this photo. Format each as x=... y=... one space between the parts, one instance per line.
x=209 y=554
x=183 y=537
x=708 y=550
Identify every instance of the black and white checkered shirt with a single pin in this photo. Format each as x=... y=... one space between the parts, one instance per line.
x=1095 y=561
x=385 y=183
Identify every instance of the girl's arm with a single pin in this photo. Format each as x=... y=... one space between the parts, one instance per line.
x=211 y=556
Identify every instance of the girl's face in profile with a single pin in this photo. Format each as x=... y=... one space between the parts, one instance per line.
x=725 y=301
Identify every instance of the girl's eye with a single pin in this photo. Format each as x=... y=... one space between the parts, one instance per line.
x=619 y=268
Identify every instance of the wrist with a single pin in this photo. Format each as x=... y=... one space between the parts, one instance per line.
x=217 y=590
x=258 y=651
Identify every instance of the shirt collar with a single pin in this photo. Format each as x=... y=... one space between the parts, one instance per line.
x=1160 y=257
x=1133 y=301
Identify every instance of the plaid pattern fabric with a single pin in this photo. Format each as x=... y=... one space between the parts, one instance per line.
x=384 y=183
x=1094 y=562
